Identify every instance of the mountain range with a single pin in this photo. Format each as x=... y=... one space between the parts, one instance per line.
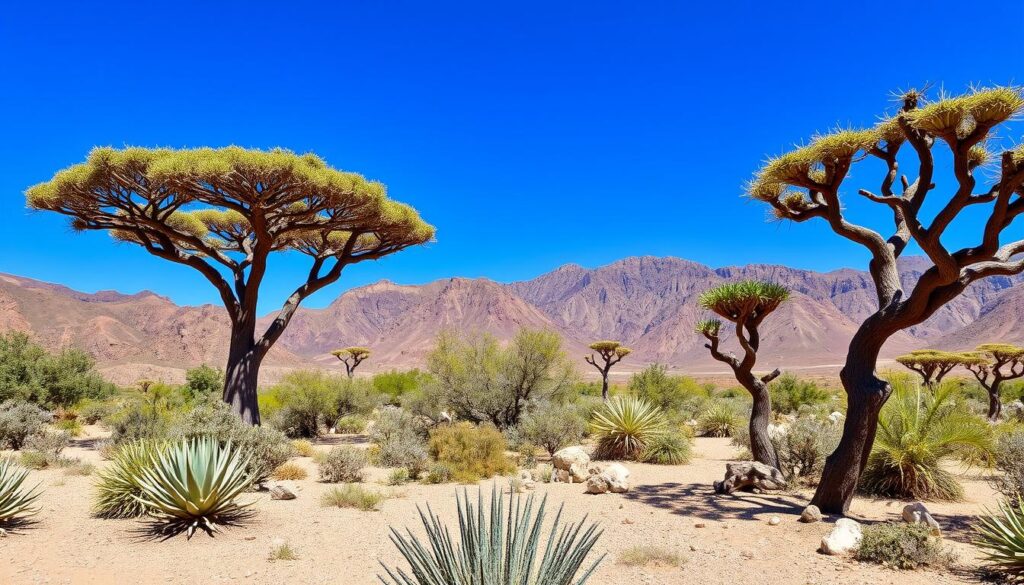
x=647 y=303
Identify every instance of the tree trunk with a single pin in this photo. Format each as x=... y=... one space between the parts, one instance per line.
x=242 y=372
x=604 y=386
x=995 y=406
x=866 y=394
x=760 y=416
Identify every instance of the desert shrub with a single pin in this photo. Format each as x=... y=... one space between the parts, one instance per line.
x=544 y=472
x=803 y=446
x=357 y=396
x=143 y=417
x=398 y=476
x=1009 y=458
x=479 y=380
x=262 y=448
x=171 y=493
x=439 y=472
x=399 y=441
x=917 y=430
x=203 y=382
x=1000 y=536
x=499 y=543
x=28 y=372
x=72 y=427
x=669 y=448
x=20 y=420
x=16 y=502
x=553 y=426
x=672 y=394
x=352 y=496
x=625 y=426
x=91 y=411
x=289 y=471
x=50 y=443
x=473 y=452
x=526 y=455
x=283 y=552
x=350 y=424
x=117 y=486
x=718 y=420
x=395 y=384
x=302 y=402
x=902 y=546
x=789 y=393
x=34 y=460
x=303 y=448
x=343 y=464
x=647 y=555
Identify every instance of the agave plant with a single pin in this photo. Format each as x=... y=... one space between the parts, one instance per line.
x=496 y=549
x=624 y=426
x=917 y=431
x=15 y=503
x=1001 y=537
x=194 y=484
x=117 y=487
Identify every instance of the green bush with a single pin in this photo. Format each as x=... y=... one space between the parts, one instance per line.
x=902 y=546
x=439 y=473
x=1009 y=458
x=302 y=402
x=670 y=448
x=399 y=441
x=203 y=382
x=92 y=411
x=343 y=464
x=718 y=420
x=473 y=452
x=352 y=496
x=501 y=546
x=20 y=420
x=625 y=426
x=553 y=426
x=357 y=396
x=50 y=443
x=917 y=431
x=672 y=394
x=398 y=476
x=28 y=372
x=803 y=446
x=789 y=393
x=395 y=384
x=350 y=424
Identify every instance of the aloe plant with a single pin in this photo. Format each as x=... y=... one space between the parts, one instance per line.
x=117 y=487
x=1001 y=537
x=194 y=484
x=624 y=426
x=496 y=549
x=15 y=502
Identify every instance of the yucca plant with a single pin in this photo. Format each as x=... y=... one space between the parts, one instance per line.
x=194 y=484
x=917 y=431
x=16 y=504
x=624 y=426
x=1001 y=537
x=500 y=548
x=673 y=448
x=719 y=420
x=117 y=486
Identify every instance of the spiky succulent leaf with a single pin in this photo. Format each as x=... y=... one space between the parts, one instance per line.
x=117 y=486
x=1001 y=537
x=625 y=425
x=15 y=503
x=743 y=300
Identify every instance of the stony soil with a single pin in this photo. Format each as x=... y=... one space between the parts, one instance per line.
x=724 y=540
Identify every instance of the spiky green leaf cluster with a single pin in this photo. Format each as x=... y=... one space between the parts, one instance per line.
x=1002 y=351
x=15 y=503
x=195 y=484
x=501 y=546
x=1001 y=537
x=958 y=116
x=624 y=427
x=742 y=300
x=351 y=352
x=708 y=327
x=117 y=487
x=611 y=347
x=933 y=357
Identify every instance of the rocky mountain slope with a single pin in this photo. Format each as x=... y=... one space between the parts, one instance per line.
x=648 y=303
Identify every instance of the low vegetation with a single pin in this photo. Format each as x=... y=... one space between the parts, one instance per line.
x=902 y=546
x=625 y=426
x=1001 y=536
x=352 y=496
x=343 y=464
x=648 y=555
x=471 y=452
x=17 y=501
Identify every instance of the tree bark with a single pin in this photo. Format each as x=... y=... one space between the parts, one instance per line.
x=995 y=406
x=242 y=373
x=604 y=386
x=760 y=416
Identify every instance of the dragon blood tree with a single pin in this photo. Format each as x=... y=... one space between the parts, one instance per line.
x=933 y=365
x=746 y=304
x=223 y=212
x=994 y=364
x=609 y=353
x=812 y=182
x=351 y=357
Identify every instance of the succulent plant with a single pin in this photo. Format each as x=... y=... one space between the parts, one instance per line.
x=117 y=486
x=492 y=552
x=15 y=502
x=625 y=425
x=194 y=484
x=1001 y=537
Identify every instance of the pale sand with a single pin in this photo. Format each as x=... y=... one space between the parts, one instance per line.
x=737 y=544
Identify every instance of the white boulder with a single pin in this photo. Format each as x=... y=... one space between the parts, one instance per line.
x=917 y=513
x=845 y=537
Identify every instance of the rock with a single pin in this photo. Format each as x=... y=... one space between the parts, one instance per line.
x=774 y=521
x=617 y=477
x=836 y=417
x=597 y=484
x=917 y=513
x=595 y=469
x=750 y=474
x=561 y=476
x=282 y=491
x=525 y=479
x=845 y=537
x=810 y=514
x=700 y=525
x=569 y=456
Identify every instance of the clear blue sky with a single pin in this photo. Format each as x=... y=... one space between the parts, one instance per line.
x=531 y=134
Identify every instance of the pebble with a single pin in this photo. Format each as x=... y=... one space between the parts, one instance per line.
x=699 y=525
x=774 y=521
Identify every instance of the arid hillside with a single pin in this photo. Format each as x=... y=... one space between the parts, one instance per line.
x=648 y=303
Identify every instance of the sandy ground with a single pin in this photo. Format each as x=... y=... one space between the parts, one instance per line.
x=723 y=539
